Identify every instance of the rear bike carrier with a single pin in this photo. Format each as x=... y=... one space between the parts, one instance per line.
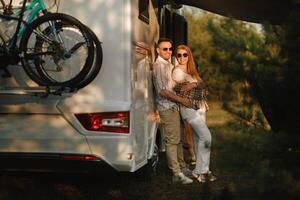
x=41 y=92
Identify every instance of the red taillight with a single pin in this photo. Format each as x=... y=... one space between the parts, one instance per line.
x=117 y=122
x=79 y=157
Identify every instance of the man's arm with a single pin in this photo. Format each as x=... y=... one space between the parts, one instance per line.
x=173 y=97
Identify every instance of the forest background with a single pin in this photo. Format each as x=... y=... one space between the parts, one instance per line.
x=254 y=70
x=250 y=66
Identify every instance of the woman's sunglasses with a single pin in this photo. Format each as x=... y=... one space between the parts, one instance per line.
x=179 y=55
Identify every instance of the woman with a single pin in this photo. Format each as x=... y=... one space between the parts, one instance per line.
x=185 y=72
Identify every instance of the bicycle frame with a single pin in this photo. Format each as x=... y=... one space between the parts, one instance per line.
x=34 y=6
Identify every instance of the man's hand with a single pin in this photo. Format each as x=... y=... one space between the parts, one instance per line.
x=175 y=98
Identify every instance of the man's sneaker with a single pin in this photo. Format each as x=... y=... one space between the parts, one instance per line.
x=188 y=173
x=210 y=177
x=199 y=177
x=182 y=178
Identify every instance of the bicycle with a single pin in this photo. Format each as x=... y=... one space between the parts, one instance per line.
x=47 y=43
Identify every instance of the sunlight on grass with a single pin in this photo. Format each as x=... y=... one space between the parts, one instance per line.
x=252 y=162
x=216 y=116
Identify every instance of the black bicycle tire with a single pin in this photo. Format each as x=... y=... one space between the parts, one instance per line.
x=95 y=67
x=98 y=62
x=43 y=80
x=89 y=61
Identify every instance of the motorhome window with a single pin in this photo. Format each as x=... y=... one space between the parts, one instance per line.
x=143 y=11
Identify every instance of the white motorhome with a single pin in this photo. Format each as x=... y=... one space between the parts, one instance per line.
x=112 y=120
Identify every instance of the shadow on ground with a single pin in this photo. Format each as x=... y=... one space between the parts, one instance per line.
x=105 y=185
x=250 y=164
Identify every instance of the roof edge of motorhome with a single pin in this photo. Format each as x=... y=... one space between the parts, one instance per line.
x=257 y=11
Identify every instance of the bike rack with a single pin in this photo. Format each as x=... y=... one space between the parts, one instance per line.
x=42 y=92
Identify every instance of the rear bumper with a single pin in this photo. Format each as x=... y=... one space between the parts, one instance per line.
x=45 y=162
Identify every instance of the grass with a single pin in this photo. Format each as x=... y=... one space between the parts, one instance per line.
x=254 y=163
x=250 y=163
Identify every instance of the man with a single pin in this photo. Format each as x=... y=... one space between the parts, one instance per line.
x=166 y=101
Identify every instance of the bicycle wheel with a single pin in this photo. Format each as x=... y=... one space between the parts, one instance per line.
x=57 y=50
x=97 y=61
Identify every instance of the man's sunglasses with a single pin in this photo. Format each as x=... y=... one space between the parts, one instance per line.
x=179 y=55
x=166 y=49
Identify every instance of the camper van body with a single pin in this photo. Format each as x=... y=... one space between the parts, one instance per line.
x=34 y=125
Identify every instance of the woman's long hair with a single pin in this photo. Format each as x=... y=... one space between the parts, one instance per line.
x=191 y=67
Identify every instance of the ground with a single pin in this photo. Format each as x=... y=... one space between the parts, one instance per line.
x=250 y=164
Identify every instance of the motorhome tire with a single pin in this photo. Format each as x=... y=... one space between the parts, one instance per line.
x=150 y=169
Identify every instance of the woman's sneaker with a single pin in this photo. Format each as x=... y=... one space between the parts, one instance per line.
x=199 y=177
x=182 y=178
x=210 y=177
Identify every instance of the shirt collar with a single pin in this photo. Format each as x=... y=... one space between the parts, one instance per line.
x=163 y=60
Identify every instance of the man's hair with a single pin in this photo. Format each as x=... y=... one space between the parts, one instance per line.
x=163 y=40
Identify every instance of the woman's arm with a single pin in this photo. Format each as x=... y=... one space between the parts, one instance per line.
x=178 y=75
x=188 y=86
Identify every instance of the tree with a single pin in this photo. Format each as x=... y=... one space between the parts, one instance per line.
x=279 y=83
x=240 y=62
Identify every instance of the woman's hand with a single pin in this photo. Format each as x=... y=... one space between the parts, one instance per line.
x=186 y=102
x=187 y=87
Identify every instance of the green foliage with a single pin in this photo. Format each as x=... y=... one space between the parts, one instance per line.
x=259 y=158
x=279 y=82
x=228 y=51
x=251 y=66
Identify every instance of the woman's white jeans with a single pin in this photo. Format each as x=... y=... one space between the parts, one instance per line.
x=201 y=135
